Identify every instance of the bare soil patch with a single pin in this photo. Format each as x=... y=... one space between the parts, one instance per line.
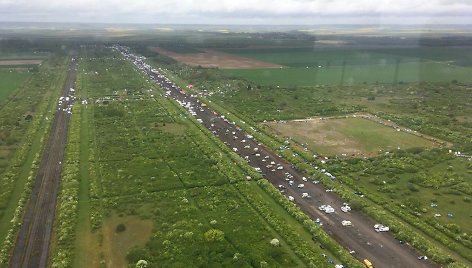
x=117 y=244
x=352 y=136
x=20 y=62
x=216 y=59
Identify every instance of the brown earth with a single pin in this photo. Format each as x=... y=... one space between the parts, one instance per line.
x=117 y=244
x=216 y=59
x=20 y=62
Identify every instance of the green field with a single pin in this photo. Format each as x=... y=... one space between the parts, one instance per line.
x=355 y=74
x=321 y=66
x=348 y=136
x=416 y=181
x=312 y=57
x=10 y=81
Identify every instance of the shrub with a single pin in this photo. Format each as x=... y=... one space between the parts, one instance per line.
x=120 y=228
x=214 y=235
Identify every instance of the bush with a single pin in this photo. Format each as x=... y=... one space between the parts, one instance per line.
x=214 y=235
x=120 y=228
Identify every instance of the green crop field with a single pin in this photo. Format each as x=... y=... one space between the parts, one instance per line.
x=158 y=188
x=356 y=74
x=326 y=57
x=10 y=81
x=348 y=136
x=321 y=66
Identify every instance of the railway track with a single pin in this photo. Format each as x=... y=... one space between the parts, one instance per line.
x=32 y=243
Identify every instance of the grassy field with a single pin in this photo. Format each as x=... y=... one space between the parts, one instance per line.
x=314 y=56
x=322 y=66
x=11 y=80
x=355 y=74
x=424 y=184
x=348 y=136
x=152 y=171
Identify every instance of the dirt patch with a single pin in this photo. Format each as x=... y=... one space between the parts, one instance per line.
x=216 y=59
x=4 y=152
x=352 y=136
x=464 y=119
x=117 y=244
x=173 y=128
x=20 y=62
x=89 y=256
x=318 y=135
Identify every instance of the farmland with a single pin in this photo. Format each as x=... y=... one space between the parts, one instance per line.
x=322 y=66
x=143 y=179
x=11 y=80
x=353 y=136
x=216 y=59
x=151 y=171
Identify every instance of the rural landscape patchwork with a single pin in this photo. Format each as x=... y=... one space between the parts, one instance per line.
x=235 y=146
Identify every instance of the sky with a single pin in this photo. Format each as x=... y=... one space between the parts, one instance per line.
x=277 y=12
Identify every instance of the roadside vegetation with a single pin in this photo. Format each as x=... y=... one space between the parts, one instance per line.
x=25 y=119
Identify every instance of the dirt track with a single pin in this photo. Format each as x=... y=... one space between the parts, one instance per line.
x=32 y=244
x=216 y=59
x=380 y=248
x=20 y=62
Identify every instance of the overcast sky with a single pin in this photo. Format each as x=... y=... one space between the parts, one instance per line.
x=240 y=11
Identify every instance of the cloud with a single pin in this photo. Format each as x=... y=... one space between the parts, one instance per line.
x=191 y=11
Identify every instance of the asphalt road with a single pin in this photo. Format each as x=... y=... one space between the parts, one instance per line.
x=32 y=243
x=381 y=248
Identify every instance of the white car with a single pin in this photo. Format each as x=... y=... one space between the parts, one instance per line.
x=280 y=167
x=301 y=185
x=306 y=195
x=326 y=208
x=345 y=208
x=304 y=179
x=291 y=198
x=346 y=223
x=381 y=228
x=235 y=149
